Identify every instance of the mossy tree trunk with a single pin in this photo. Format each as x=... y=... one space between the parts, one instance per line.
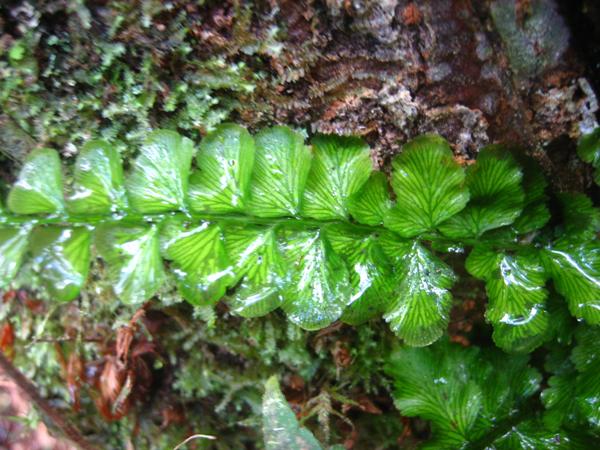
x=476 y=72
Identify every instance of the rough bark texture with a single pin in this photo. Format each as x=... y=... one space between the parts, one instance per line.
x=475 y=72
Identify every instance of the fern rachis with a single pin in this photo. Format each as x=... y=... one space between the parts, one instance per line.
x=309 y=229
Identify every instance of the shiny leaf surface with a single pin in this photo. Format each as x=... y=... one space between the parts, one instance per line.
x=13 y=244
x=371 y=274
x=268 y=222
x=199 y=262
x=580 y=217
x=319 y=287
x=419 y=312
x=62 y=258
x=159 y=179
x=133 y=259
x=281 y=167
x=465 y=393
x=39 y=188
x=517 y=297
x=98 y=186
x=497 y=196
x=372 y=202
x=340 y=167
x=281 y=430
x=531 y=435
x=260 y=272
x=225 y=162
x=535 y=212
x=429 y=186
x=575 y=270
x=573 y=394
x=588 y=149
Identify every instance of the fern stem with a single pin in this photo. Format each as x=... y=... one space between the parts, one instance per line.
x=139 y=219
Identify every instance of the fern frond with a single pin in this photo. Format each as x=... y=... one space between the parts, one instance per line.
x=308 y=229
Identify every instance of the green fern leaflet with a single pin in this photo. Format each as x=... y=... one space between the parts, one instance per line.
x=269 y=222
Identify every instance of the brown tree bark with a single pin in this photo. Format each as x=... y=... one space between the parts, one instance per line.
x=477 y=72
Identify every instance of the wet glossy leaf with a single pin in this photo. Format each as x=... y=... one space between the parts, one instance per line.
x=275 y=225
x=535 y=212
x=494 y=182
x=531 y=435
x=419 y=311
x=39 y=188
x=98 y=181
x=562 y=323
x=199 y=261
x=62 y=258
x=394 y=247
x=463 y=392
x=372 y=202
x=340 y=167
x=573 y=395
x=586 y=358
x=159 y=179
x=588 y=148
x=260 y=272
x=225 y=161
x=281 y=430
x=559 y=398
x=13 y=244
x=517 y=297
x=371 y=274
x=133 y=260
x=429 y=186
x=575 y=270
x=580 y=218
x=281 y=167
x=319 y=287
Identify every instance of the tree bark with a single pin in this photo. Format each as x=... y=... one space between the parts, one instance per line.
x=475 y=72
x=55 y=418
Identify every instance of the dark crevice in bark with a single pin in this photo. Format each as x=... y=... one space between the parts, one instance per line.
x=583 y=17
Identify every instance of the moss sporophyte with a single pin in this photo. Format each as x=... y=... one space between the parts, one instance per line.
x=269 y=222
